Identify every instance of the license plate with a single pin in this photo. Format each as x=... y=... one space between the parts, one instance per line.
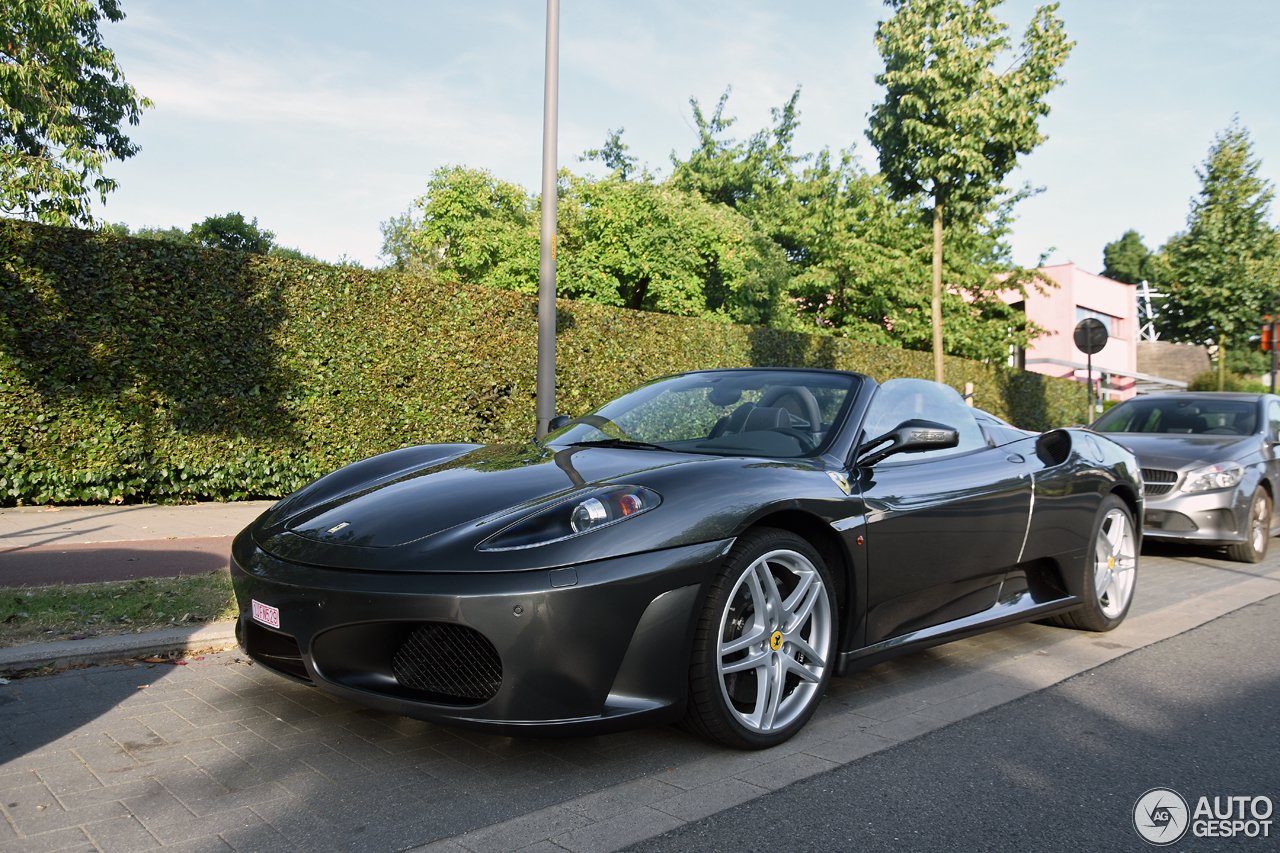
x=266 y=614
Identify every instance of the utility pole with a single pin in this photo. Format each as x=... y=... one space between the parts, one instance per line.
x=546 y=385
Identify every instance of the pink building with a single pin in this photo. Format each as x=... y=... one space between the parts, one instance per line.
x=1079 y=295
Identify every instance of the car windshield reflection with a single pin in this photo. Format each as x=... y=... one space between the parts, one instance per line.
x=773 y=413
x=1182 y=416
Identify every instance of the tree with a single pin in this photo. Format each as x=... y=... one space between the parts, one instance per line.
x=951 y=127
x=750 y=176
x=864 y=268
x=232 y=233
x=614 y=155
x=633 y=244
x=1127 y=259
x=1222 y=272
x=62 y=102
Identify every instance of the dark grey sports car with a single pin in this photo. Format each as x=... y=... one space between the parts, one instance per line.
x=710 y=548
x=1210 y=466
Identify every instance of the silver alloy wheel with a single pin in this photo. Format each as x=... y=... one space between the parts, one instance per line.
x=1260 y=524
x=1114 y=563
x=775 y=640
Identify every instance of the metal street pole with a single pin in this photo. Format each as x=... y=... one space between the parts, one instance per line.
x=546 y=386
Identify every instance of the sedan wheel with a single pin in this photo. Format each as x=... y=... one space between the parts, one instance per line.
x=1255 y=548
x=1113 y=571
x=764 y=649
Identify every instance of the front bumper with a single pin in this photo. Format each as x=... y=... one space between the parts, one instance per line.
x=1210 y=518
x=595 y=647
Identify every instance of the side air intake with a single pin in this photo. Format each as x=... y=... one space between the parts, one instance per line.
x=1054 y=447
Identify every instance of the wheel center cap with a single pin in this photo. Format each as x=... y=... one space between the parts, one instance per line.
x=1111 y=563
x=775 y=642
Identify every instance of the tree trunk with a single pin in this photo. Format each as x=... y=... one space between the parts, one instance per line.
x=937 y=288
x=1222 y=362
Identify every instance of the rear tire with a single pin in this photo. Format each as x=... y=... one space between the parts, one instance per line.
x=1255 y=547
x=1113 y=571
x=765 y=644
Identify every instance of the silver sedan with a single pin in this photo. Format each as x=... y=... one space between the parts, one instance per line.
x=1209 y=466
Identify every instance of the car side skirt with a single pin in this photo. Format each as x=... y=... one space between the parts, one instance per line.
x=1021 y=607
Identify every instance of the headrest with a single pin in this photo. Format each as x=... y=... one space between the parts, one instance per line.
x=766 y=417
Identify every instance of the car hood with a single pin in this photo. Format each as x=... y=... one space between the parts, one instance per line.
x=464 y=496
x=425 y=509
x=478 y=484
x=1181 y=452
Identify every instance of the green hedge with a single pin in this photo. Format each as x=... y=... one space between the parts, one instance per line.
x=140 y=370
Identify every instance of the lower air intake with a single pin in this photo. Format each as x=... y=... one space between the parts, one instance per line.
x=454 y=662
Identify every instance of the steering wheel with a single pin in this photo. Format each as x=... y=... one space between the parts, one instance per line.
x=803 y=396
x=1220 y=431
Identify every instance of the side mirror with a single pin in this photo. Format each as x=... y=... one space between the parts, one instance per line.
x=913 y=436
x=557 y=422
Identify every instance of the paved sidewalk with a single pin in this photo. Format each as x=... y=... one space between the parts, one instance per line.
x=31 y=526
x=218 y=755
x=42 y=545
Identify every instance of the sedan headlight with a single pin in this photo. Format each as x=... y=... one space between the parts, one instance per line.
x=583 y=513
x=1224 y=475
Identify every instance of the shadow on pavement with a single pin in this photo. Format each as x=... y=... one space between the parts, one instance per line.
x=166 y=754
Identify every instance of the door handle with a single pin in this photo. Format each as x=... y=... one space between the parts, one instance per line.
x=1015 y=458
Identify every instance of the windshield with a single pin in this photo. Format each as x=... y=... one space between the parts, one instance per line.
x=732 y=413
x=1185 y=415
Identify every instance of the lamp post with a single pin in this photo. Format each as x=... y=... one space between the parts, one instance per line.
x=546 y=383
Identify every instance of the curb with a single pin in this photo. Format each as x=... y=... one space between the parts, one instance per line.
x=218 y=636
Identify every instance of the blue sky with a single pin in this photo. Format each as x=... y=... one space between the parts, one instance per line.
x=325 y=118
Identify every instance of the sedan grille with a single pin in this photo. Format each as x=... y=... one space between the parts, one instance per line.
x=1157 y=482
x=457 y=664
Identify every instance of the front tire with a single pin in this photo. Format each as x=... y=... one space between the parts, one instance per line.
x=1113 y=570
x=1254 y=548
x=765 y=645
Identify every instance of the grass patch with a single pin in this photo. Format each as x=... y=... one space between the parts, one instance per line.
x=40 y=614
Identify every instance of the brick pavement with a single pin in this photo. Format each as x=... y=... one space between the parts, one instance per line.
x=219 y=756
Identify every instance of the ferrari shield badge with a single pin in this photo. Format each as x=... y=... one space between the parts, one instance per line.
x=840 y=480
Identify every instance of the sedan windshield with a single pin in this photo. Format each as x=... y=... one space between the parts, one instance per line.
x=732 y=412
x=1185 y=415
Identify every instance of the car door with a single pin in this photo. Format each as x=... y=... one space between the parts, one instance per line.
x=944 y=526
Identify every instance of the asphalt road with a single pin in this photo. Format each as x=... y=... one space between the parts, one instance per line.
x=1060 y=769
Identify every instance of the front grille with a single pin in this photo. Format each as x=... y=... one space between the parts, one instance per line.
x=1157 y=482
x=455 y=663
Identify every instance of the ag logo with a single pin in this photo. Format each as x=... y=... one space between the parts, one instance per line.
x=1160 y=816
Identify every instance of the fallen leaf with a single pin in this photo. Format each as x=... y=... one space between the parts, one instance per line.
x=156 y=660
x=179 y=662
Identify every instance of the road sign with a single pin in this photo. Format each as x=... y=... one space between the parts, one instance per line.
x=1090 y=335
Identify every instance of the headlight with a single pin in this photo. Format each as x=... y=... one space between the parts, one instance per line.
x=580 y=514
x=1224 y=475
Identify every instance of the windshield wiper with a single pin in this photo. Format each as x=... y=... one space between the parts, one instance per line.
x=619 y=442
